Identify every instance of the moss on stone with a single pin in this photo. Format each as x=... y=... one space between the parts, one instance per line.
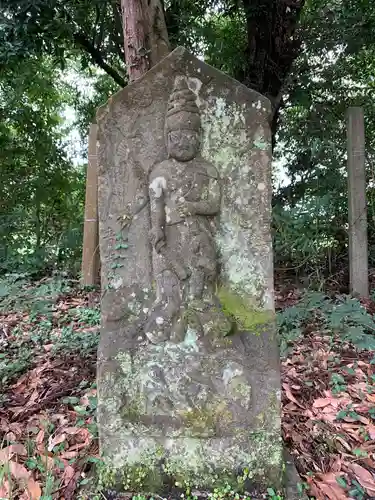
x=203 y=421
x=131 y=411
x=159 y=470
x=200 y=421
x=138 y=477
x=222 y=342
x=190 y=318
x=222 y=324
x=247 y=317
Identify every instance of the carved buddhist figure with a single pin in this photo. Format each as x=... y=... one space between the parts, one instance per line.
x=185 y=197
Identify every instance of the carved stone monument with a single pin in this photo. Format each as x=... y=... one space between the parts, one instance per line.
x=188 y=370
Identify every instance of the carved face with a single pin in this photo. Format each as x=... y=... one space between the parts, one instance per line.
x=183 y=145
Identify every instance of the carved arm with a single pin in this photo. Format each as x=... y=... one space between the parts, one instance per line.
x=157 y=207
x=208 y=206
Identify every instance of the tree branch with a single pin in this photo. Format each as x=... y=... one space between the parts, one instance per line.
x=118 y=36
x=97 y=57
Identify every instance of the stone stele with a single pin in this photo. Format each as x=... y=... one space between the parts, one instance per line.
x=188 y=370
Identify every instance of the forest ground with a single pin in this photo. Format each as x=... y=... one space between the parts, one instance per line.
x=48 y=434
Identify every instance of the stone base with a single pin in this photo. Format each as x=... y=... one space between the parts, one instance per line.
x=290 y=487
x=252 y=460
x=196 y=413
x=292 y=479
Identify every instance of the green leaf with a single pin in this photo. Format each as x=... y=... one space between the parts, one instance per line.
x=341 y=481
x=359 y=453
x=81 y=410
x=341 y=414
x=71 y=400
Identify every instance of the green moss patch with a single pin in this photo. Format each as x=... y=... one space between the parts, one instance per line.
x=247 y=317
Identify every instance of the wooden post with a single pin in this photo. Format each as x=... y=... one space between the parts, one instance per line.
x=358 y=256
x=90 y=254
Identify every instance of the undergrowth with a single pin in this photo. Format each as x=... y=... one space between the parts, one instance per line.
x=343 y=317
x=44 y=317
x=40 y=323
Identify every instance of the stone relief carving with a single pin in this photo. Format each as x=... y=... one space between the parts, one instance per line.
x=185 y=196
x=172 y=390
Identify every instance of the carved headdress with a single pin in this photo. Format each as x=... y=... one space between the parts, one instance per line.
x=182 y=112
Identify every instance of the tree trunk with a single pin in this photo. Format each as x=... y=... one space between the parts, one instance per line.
x=272 y=47
x=145 y=35
x=158 y=41
x=134 y=26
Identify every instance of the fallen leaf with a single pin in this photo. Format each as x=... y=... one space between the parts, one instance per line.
x=70 y=478
x=290 y=396
x=328 y=484
x=52 y=442
x=48 y=461
x=32 y=399
x=18 y=471
x=68 y=455
x=336 y=466
x=68 y=474
x=4 y=489
x=321 y=402
x=332 y=492
x=344 y=443
x=363 y=476
x=72 y=430
x=34 y=489
x=14 y=449
x=18 y=449
x=40 y=438
x=84 y=436
x=329 y=409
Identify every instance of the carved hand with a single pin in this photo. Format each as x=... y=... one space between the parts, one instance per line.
x=185 y=208
x=157 y=239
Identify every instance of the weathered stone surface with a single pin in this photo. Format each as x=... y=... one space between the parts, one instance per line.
x=188 y=371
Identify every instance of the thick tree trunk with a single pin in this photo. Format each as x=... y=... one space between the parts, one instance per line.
x=272 y=44
x=135 y=38
x=145 y=35
x=158 y=41
x=272 y=47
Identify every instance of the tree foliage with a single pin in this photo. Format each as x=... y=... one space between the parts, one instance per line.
x=312 y=58
x=93 y=29
x=334 y=71
x=40 y=190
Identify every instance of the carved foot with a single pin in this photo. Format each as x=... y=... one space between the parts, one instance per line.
x=157 y=336
x=158 y=327
x=188 y=318
x=182 y=272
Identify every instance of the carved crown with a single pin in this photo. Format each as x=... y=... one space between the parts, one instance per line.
x=182 y=111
